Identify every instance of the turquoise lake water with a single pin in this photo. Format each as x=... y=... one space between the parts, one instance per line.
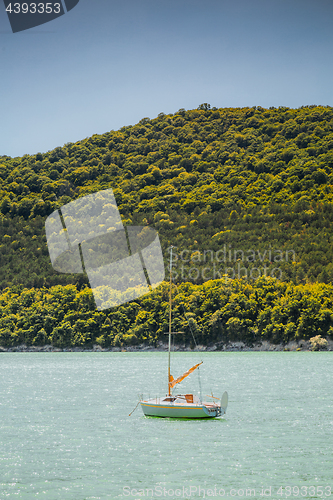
x=65 y=432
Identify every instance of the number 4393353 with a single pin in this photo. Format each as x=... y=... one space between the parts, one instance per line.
x=303 y=491
x=34 y=8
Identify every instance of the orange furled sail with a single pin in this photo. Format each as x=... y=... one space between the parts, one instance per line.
x=173 y=382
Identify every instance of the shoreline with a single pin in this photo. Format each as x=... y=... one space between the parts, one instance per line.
x=264 y=346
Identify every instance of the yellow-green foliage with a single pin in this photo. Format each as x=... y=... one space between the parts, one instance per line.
x=244 y=179
x=255 y=177
x=216 y=312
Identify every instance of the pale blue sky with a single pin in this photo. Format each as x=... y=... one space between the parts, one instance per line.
x=110 y=63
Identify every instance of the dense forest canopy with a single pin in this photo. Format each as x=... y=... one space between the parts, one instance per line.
x=214 y=312
x=244 y=193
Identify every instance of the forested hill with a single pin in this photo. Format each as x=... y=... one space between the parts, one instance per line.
x=241 y=193
x=252 y=187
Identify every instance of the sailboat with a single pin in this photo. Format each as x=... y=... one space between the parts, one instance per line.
x=182 y=405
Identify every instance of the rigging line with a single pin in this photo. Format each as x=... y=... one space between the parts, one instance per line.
x=182 y=305
x=200 y=391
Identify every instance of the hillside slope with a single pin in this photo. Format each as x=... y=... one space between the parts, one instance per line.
x=221 y=180
x=241 y=193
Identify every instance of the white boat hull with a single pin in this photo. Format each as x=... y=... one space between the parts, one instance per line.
x=158 y=408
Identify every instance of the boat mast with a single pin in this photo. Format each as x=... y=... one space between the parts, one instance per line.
x=169 y=389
